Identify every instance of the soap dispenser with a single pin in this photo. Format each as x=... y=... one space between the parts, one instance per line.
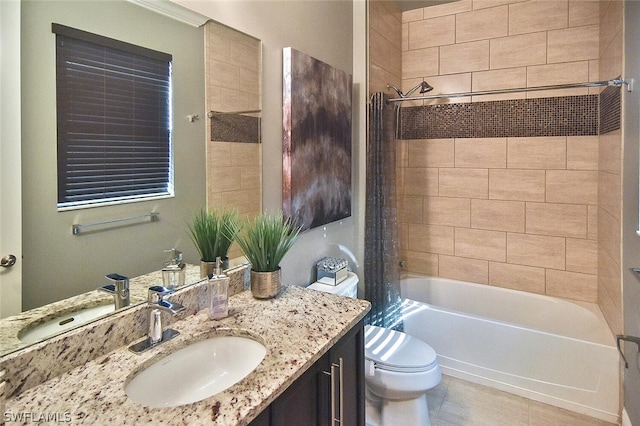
x=174 y=270
x=219 y=293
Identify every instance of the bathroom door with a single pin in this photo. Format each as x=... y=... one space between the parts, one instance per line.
x=10 y=172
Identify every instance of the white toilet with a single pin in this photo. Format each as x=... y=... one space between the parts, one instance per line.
x=399 y=369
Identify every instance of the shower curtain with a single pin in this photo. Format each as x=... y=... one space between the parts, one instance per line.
x=381 y=252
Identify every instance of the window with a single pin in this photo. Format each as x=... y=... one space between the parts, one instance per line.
x=114 y=120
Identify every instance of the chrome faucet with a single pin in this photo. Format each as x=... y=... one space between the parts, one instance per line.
x=155 y=331
x=119 y=290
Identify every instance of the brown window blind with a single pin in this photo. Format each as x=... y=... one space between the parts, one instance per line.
x=114 y=120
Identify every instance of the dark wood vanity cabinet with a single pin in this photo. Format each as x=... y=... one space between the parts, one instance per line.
x=319 y=394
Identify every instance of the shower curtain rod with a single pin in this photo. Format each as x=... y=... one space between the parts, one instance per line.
x=615 y=82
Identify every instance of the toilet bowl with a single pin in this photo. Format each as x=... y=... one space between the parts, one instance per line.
x=399 y=369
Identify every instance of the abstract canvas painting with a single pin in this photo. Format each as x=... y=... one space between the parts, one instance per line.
x=316 y=159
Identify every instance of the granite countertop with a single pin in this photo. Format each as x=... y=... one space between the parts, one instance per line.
x=297 y=328
x=11 y=327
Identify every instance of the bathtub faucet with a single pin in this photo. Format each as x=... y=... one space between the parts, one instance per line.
x=626 y=338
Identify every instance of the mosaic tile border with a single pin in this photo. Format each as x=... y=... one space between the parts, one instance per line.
x=556 y=116
x=235 y=128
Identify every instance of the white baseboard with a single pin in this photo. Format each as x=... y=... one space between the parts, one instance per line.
x=626 y=421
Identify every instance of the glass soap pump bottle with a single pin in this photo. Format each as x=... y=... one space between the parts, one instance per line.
x=219 y=289
x=174 y=270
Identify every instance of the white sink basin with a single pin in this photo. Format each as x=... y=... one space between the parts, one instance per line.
x=196 y=372
x=63 y=322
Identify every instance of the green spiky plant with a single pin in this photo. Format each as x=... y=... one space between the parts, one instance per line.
x=265 y=240
x=213 y=231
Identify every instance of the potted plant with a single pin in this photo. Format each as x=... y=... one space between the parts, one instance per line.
x=264 y=242
x=213 y=231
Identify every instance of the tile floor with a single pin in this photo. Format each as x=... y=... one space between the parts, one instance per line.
x=462 y=403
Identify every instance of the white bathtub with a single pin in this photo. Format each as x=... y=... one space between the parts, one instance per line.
x=552 y=350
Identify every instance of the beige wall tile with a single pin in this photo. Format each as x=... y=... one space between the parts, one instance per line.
x=517 y=277
x=410 y=209
x=385 y=54
x=226 y=178
x=610 y=152
x=413 y=15
x=572 y=186
x=561 y=220
x=583 y=12
x=251 y=177
x=480 y=244
x=219 y=153
x=536 y=250
x=520 y=185
x=420 y=62
x=223 y=74
x=609 y=235
x=464 y=57
x=403 y=236
x=490 y=153
x=481 y=4
x=245 y=154
x=572 y=285
x=447 y=8
x=562 y=73
x=582 y=152
x=420 y=181
x=421 y=263
x=460 y=268
x=447 y=211
x=536 y=15
x=537 y=153
x=573 y=44
x=432 y=32
x=431 y=153
x=482 y=24
x=498 y=215
x=246 y=201
x=430 y=239
x=609 y=193
x=509 y=78
x=582 y=256
x=592 y=222
x=508 y=52
x=453 y=83
x=471 y=183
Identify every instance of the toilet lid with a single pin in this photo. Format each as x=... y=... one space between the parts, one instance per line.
x=396 y=351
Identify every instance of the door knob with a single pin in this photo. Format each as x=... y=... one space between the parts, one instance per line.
x=8 y=261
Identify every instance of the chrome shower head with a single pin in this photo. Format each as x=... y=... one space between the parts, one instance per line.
x=423 y=86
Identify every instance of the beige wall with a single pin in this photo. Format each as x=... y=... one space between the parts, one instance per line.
x=511 y=212
x=610 y=175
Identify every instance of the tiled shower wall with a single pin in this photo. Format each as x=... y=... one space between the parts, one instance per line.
x=232 y=78
x=517 y=212
x=610 y=175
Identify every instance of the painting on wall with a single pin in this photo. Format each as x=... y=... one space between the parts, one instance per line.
x=316 y=157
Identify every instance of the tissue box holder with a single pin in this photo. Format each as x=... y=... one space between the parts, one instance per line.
x=331 y=271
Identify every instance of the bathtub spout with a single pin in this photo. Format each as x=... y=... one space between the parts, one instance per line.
x=633 y=339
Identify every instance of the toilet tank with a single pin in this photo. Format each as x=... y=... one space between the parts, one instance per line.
x=348 y=287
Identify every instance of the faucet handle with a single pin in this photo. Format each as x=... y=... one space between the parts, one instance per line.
x=156 y=293
x=116 y=278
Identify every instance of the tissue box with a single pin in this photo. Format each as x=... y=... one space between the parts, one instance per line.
x=331 y=270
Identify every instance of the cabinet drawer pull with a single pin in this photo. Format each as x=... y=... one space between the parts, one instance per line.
x=340 y=409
